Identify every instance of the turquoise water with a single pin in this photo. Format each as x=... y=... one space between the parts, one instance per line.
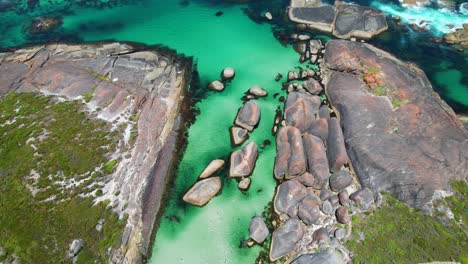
x=213 y=234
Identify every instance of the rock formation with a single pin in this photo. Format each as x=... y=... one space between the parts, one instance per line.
x=243 y=160
x=248 y=116
x=119 y=81
x=400 y=136
x=290 y=159
x=202 y=192
x=211 y=168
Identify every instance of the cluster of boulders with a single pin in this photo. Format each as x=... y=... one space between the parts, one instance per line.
x=459 y=37
x=207 y=186
x=343 y=20
x=310 y=50
x=311 y=164
x=226 y=75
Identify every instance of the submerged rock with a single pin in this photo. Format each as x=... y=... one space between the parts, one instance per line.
x=284 y=239
x=44 y=24
x=202 y=192
x=211 y=168
x=243 y=161
x=290 y=158
x=258 y=229
x=238 y=135
x=248 y=116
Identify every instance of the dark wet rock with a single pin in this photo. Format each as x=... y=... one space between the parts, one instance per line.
x=257 y=91
x=309 y=209
x=320 y=18
x=44 y=24
x=290 y=158
x=244 y=184
x=336 y=150
x=216 y=86
x=76 y=246
x=238 y=135
x=319 y=128
x=340 y=180
x=358 y=21
x=327 y=207
x=327 y=256
x=325 y=194
x=300 y=47
x=340 y=233
x=364 y=198
x=301 y=110
x=284 y=238
x=248 y=116
x=344 y=198
x=410 y=142
x=219 y=13
x=258 y=229
x=211 y=168
x=278 y=77
x=288 y=195
x=321 y=235
x=316 y=160
x=313 y=86
x=228 y=73
x=342 y=215
x=307 y=179
x=202 y=192
x=324 y=112
x=243 y=161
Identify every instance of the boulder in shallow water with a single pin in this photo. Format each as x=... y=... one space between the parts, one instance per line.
x=257 y=91
x=258 y=229
x=243 y=160
x=202 y=192
x=244 y=184
x=268 y=16
x=216 y=86
x=238 y=135
x=284 y=238
x=211 y=168
x=290 y=158
x=228 y=73
x=288 y=195
x=248 y=116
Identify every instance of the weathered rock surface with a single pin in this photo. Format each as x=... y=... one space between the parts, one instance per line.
x=321 y=235
x=409 y=142
x=319 y=128
x=76 y=246
x=343 y=20
x=243 y=160
x=342 y=215
x=216 y=86
x=343 y=196
x=340 y=180
x=316 y=160
x=257 y=91
x=288 y=196
x=313 y=86
x=301 y=110
x=244 y=184
x=284 y=238
x=202 y=192
x=307 y=179
x=258 y=229
x=309 y=209
x=123 y=80
x=364 y=198
x=211 y=168
x=459 y=37
x=327 y=256
x=290 y=158
x=248 y=116
x=336 y=150
x=238 y=135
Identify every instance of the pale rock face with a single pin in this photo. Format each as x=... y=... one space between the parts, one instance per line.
x=211 y=168
x=258 y=229
x=243 y=161
x=203 y=191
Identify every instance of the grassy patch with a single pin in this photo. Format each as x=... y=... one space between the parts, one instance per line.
x=58 y=142
x=98 y=76
x=397 y=102
x=396 y=233
x=90 y=95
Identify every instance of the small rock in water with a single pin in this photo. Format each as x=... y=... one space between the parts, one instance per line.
x=216 y=86
x=228 y=73
x=257 y=91
x=278 y=77
x=248 y=116
x=268 y=16
x=244 y=184
x=243 y=161
x=258 y=229
x=219 y=13
x=202 y=192
x=211 y=168
x=238 y=135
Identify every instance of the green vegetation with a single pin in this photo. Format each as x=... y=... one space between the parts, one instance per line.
x=98 y=76
x=380 y=90
x=90 y=95
x=396 y=233
x=397 y=102
x=458 y=202
x=373 y=70
x=43 y=144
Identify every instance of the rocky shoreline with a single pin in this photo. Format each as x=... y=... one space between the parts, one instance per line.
x=143 y=90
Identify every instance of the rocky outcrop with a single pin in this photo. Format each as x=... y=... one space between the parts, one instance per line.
x=327 y=256
x=258 y=229
x=248 y=116
x=238 y=135
x=118 y=80
x=459 y=37
x=301 y=109
x=284 y=239
x=400 y=136
x=243 y=161
x=290 y=158
x=211 y=168
x=343 y=20
x=202 y=192
x=288 y=196
x=316 y=160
